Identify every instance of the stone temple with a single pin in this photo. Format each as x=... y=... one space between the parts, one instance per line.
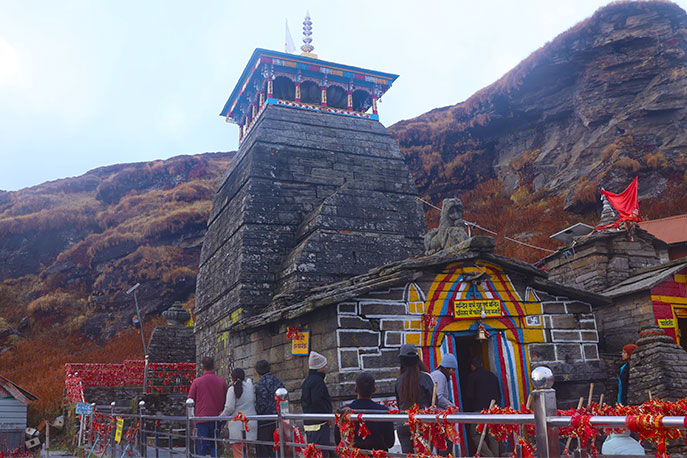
x=318 y=192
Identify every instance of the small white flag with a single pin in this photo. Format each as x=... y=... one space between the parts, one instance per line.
x=288 y=41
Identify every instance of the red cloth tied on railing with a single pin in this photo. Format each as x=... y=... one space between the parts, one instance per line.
x=243 y=419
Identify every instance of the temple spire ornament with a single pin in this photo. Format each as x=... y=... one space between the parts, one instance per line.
x=307 y=47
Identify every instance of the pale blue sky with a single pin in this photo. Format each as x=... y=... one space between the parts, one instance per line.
x=88 y=83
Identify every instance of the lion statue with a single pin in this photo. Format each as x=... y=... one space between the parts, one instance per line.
x=451 y=230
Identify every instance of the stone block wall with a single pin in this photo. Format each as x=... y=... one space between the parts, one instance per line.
x=246 y=348
x=620 y=323
x=657 y=365
x=172 y=344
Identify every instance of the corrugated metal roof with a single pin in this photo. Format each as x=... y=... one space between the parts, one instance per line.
x=671 y=230
x=646 y=279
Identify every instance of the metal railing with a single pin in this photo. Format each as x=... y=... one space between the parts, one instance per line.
x=164 y=436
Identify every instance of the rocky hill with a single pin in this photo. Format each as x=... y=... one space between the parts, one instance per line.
x=69 y=249
x=599 y=104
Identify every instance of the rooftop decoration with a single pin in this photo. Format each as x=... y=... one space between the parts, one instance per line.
x=303 y=82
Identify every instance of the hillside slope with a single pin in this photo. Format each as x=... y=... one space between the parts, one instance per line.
x=69 y=249
x=599 y=104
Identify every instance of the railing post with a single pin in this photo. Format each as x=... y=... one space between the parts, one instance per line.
x=190 y=408
x=90 y=430
x=114 y=429
x=544 y=400
x=282 y=408
x=143 y=447
x=157 y=439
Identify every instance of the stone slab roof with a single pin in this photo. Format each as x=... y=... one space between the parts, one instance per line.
x=401 y=272
x=646 y=279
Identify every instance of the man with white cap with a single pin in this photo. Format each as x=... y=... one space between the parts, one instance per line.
x=315 y=399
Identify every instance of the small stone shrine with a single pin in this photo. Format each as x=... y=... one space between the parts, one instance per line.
x=632 y=269
x=318 y=192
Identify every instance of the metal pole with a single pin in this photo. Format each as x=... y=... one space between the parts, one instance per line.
x=190 y=407
x=157 y=441
x=544 y=398
x=282 y=408
x=141 y=429
x=140 y=322
x=90 y=433
x=47 y=439
x=145 y=368
x=114 y=429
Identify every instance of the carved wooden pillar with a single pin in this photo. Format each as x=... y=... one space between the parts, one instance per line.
x=324 y=96
x=349 y=100
x=298 y=92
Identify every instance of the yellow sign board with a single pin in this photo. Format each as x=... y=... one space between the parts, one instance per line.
x=301 y=345
x=118 y=431
x=666 y=322
x=473 y=308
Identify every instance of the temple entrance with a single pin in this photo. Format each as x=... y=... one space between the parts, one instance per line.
x=466 y=347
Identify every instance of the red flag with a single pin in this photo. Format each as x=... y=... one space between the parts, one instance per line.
x=625 y=203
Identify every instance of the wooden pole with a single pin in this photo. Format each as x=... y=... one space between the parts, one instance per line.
x=434 y=394
x=591 y=393
x=650 y=397
x=529 y=401
x=579 y=406
x=601 y=399
x=484 y=431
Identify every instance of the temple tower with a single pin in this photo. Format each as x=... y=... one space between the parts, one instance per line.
x=318 y=191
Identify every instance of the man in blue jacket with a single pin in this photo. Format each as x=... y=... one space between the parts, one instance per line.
x=265 y=404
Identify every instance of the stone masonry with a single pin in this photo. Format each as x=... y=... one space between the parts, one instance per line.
x=310 y=198
x=605 y=259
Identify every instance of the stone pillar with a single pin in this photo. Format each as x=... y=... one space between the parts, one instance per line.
x=657 y=365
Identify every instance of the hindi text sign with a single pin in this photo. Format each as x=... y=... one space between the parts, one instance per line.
x=666 y=323
x=118 y=431
x=300 y=344
x=83 y=408
x=472 y=308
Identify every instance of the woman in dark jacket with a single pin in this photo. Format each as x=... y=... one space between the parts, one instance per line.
x=413 y=386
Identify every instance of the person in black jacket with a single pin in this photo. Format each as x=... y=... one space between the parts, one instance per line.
x=413 y=386
x=381 y=435
x=481 y=387
x=315 y=399
x=265 y=404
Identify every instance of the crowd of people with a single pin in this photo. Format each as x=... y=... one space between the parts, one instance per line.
x=415 y=385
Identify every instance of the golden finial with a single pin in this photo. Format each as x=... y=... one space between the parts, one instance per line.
x=307 y=47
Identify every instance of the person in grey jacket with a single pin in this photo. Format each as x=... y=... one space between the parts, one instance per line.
x=441 y=376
